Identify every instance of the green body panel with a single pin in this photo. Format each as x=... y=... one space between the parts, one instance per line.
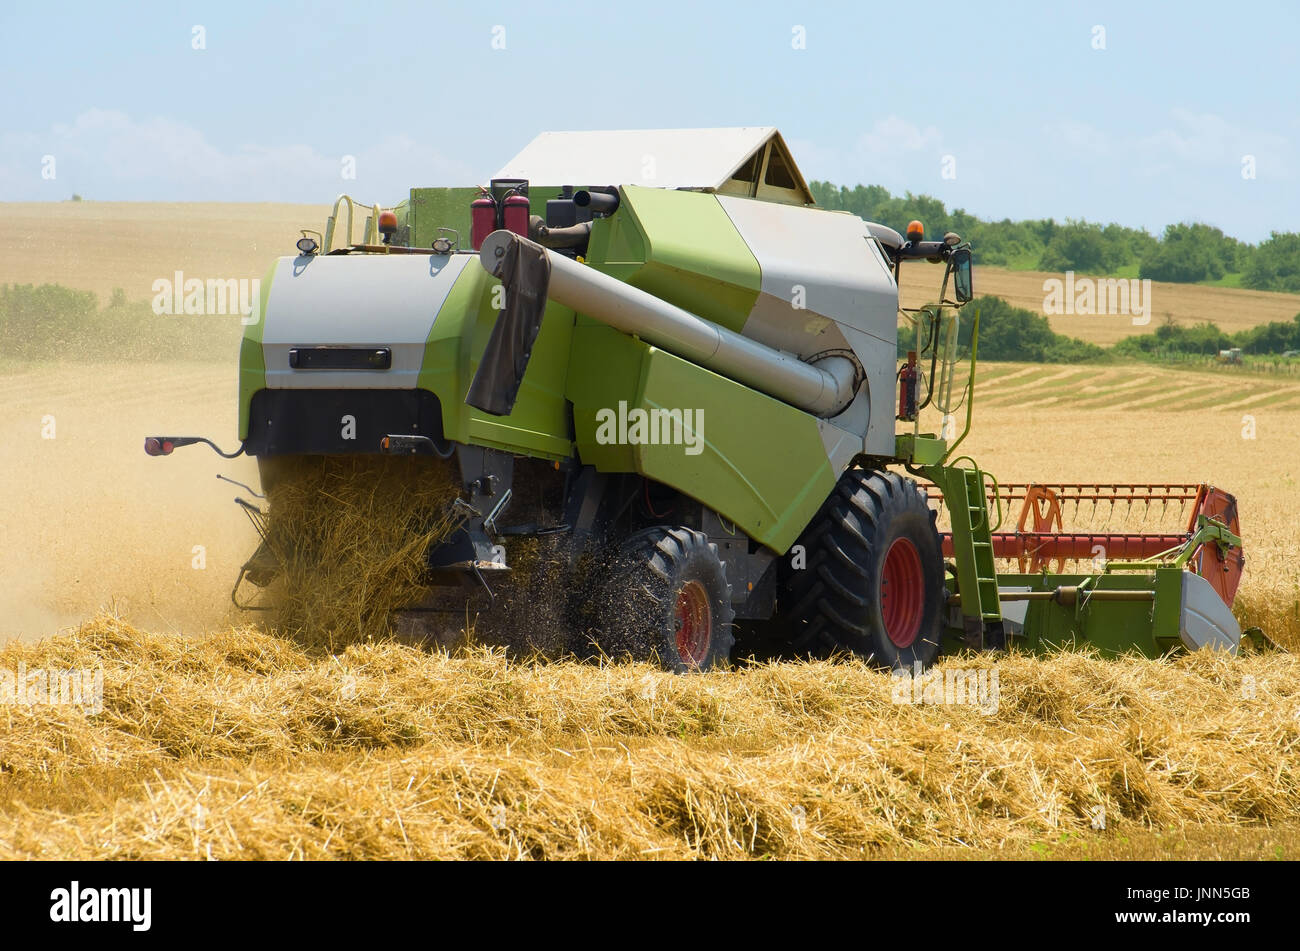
x=682 y=247
x=429 y=209
x=1112 y=627
x=920 y=450
x=606 y=368
x=762 y=463
x=252 y=361
x=434 y=208
x=538 y=196
x=539 y=424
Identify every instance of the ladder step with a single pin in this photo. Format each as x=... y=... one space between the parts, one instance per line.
x=973 y=532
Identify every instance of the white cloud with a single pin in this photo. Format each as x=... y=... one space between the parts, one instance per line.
x=889 y=153
x=817 y=161
x=107 y=155
x=1205 y=139
x=1078 y=136
x=894 y=137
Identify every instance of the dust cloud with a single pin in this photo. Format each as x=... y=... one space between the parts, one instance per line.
x=90 y=522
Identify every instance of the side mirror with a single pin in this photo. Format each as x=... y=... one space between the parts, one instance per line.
x=959 y=264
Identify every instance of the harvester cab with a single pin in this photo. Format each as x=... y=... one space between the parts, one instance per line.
x=671 y=406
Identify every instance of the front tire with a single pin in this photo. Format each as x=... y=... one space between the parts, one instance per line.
x=872 y=584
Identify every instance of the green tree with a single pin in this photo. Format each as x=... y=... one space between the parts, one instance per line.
x=1275 y=264
x=1190 y=252
x=1014 y=333
x=1276 y=336
x=1079 y=246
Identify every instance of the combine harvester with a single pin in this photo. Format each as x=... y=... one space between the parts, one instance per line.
x=693 y=379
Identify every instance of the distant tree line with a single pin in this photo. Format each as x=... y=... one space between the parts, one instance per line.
x=1012 y=333
x=1015 y=334
x=1271 y=339
x=1185 y=253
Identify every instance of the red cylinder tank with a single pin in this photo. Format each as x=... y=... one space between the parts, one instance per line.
x=516 y=214
x=483 y=220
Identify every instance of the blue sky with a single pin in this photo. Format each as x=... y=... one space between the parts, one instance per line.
x=1039 y=122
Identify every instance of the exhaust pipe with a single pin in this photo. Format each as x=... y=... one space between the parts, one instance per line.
x=602 y=203
x=824 y=389
x=574 y=236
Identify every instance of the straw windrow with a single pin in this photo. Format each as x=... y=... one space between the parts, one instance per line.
x=245 y=745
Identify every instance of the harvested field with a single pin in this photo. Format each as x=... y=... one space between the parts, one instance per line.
x=1231 y=308
x=225 y=741
x=240 y=745
x=97 y=246
x=100 y=522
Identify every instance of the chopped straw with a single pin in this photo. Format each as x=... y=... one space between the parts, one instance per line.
x=350 y=534
x=244 y=745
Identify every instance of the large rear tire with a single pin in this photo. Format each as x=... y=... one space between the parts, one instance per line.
x=868 y=577
x=665 y=598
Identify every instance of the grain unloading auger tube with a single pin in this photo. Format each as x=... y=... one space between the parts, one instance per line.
x=823 y=389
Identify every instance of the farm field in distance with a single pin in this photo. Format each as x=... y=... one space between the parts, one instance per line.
x=98 y=246
x=1231 y=308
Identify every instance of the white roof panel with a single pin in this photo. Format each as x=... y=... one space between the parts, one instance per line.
x=661 y=158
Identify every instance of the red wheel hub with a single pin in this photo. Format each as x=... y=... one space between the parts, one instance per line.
x=694 y=623
x=902 y=592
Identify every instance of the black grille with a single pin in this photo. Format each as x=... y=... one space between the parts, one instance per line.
x=340 y=358
x=321 y=421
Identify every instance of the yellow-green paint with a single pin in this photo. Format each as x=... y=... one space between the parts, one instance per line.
x=682 y=247
x=762 y=466
x=920 y=449
x=434 y=208
x=1113 y=628
x=539 y=424
x=252 y=361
